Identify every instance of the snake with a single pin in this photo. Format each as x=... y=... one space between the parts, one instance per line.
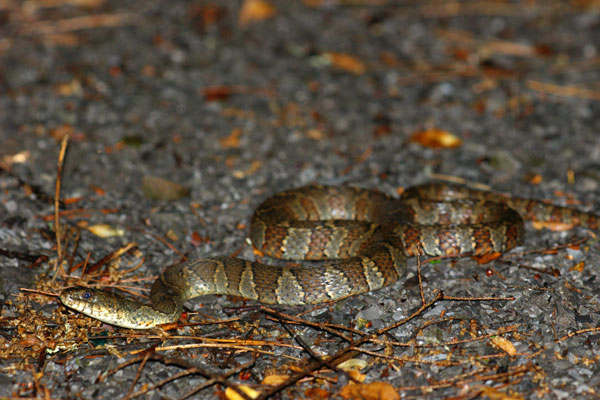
x=362 y=238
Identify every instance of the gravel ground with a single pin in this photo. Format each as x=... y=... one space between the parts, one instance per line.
x=236 y=103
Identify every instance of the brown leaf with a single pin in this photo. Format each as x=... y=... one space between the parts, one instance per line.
x=495 y=394
x=72 y=88
x=274 y=379
x=346 y=62
x=248 y=391
x=216 y=93
x=30 y=341
x=317 y=393
x=389 y=59
x=233 y=140
x=504 y=344
x=255 y=10
x=353 y=363
x=61 y=131
x=197 y=239
x=534 y=179
x=553 y=226
x=205 y=15
x=315 y=134
x=7 y=161
x=162 y=189
x=105 y=231
x=97 y=190
x=356 y=375
x=578 y=267
x=436 y=139
x=486 y=258
x=250 y=170
x=370 y=391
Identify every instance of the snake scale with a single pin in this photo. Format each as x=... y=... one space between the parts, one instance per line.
x=365 y=235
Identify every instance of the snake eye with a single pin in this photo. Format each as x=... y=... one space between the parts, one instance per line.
x=87 y=295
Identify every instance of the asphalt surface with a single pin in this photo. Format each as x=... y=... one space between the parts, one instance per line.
x=235 y=105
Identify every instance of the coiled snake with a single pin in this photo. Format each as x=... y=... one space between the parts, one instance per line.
x=366 y=233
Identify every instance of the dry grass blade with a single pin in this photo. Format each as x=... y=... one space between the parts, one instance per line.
x=78 y=23
x=60 y=163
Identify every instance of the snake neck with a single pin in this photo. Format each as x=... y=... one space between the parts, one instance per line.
x=166 y=300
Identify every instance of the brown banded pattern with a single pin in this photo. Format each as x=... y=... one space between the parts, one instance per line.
x=363 y=236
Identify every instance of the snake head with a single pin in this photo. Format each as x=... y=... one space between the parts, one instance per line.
x=92 y=302
x=77 y=297
x=115 y=309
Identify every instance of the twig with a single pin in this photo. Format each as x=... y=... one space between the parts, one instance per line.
x=545 y=250
x=78 y=23
x=75 y=247
x=146 y=355
x=482 y=298
x=326 y=327
x=578 y=332
x=346 y=352
x=34 y=259
x=313 y=354
x=221 y=346
x=163 y=241
x=420 y=279
x=449 y=343
x=111 y=256
x=564 y=90
x=213 y=380
x=192 y=369
x=59 y=171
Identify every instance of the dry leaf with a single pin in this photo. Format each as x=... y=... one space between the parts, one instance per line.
x=196 y=239
x=353 y=363
x=30 y=341
x=274 y=379
x=72 y=88
x=495 y=394
x=233 y=140
x=534 y=179
x=486 y=258
x=104 y=231
x=317 y=393
x=504 y=344
x=248 y=391
x=72 y=200
x=205 y=15
x=97 y=190
x=346 y=62
x=315 y=134
x=171 y=235
x=436 y=139
x=61 y=131
x=578 y=267
x=251 y=169
x=570 y=176
x=356 y=375
x=162 y=189
x=7 y=161
x=370 y=391
x=552 y=226
x=216 y=93
x=255 y=10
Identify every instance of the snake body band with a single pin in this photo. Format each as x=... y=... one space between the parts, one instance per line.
x=364 y=235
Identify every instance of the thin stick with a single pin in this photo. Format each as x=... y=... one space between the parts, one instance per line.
x=59 y=170
x=423 y=302
x=578 y=332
